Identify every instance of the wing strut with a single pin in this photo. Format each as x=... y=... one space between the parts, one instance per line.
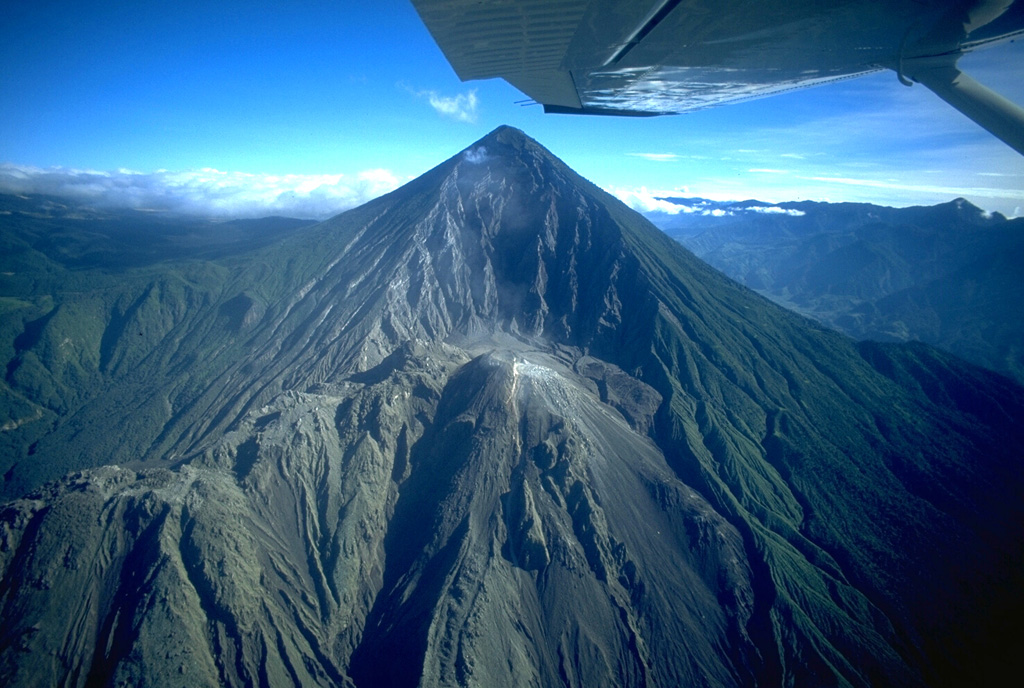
x=1001 y=117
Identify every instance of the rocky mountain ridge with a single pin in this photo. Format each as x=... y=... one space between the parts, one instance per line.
x=947 y=275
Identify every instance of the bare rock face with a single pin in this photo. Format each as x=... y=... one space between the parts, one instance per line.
x=495 y=429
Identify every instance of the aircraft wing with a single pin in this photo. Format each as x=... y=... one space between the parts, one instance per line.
x=654 y=57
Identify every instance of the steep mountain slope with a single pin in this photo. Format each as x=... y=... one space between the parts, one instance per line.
x=947 y=275
x=496 y=429
x=87 y=299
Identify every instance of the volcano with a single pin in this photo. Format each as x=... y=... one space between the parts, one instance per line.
x=494 y=428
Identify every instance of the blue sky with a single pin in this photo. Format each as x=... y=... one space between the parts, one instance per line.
x=235 y=108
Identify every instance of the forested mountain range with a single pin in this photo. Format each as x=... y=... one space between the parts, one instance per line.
x=947 y=275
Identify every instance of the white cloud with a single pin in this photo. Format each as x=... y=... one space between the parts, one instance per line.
x=461 y=108
x=646 y=201
x=476 y=155
x=775 y=210
x=942 y=190
x=656 y=157
x=379 y=178
x=207 y=192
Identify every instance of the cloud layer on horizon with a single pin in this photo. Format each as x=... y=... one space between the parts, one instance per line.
x=205 y=192
x=650 y=202
x=234 y=195
x=644 y=200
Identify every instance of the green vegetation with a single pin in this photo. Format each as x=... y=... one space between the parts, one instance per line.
x=947 y=275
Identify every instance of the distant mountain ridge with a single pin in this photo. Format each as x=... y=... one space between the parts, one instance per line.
x=78 y=235
x=947 y=275
x=492 y=428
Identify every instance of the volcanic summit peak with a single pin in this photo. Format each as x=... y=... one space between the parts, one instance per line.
x=508 y=144
x=508 y=137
